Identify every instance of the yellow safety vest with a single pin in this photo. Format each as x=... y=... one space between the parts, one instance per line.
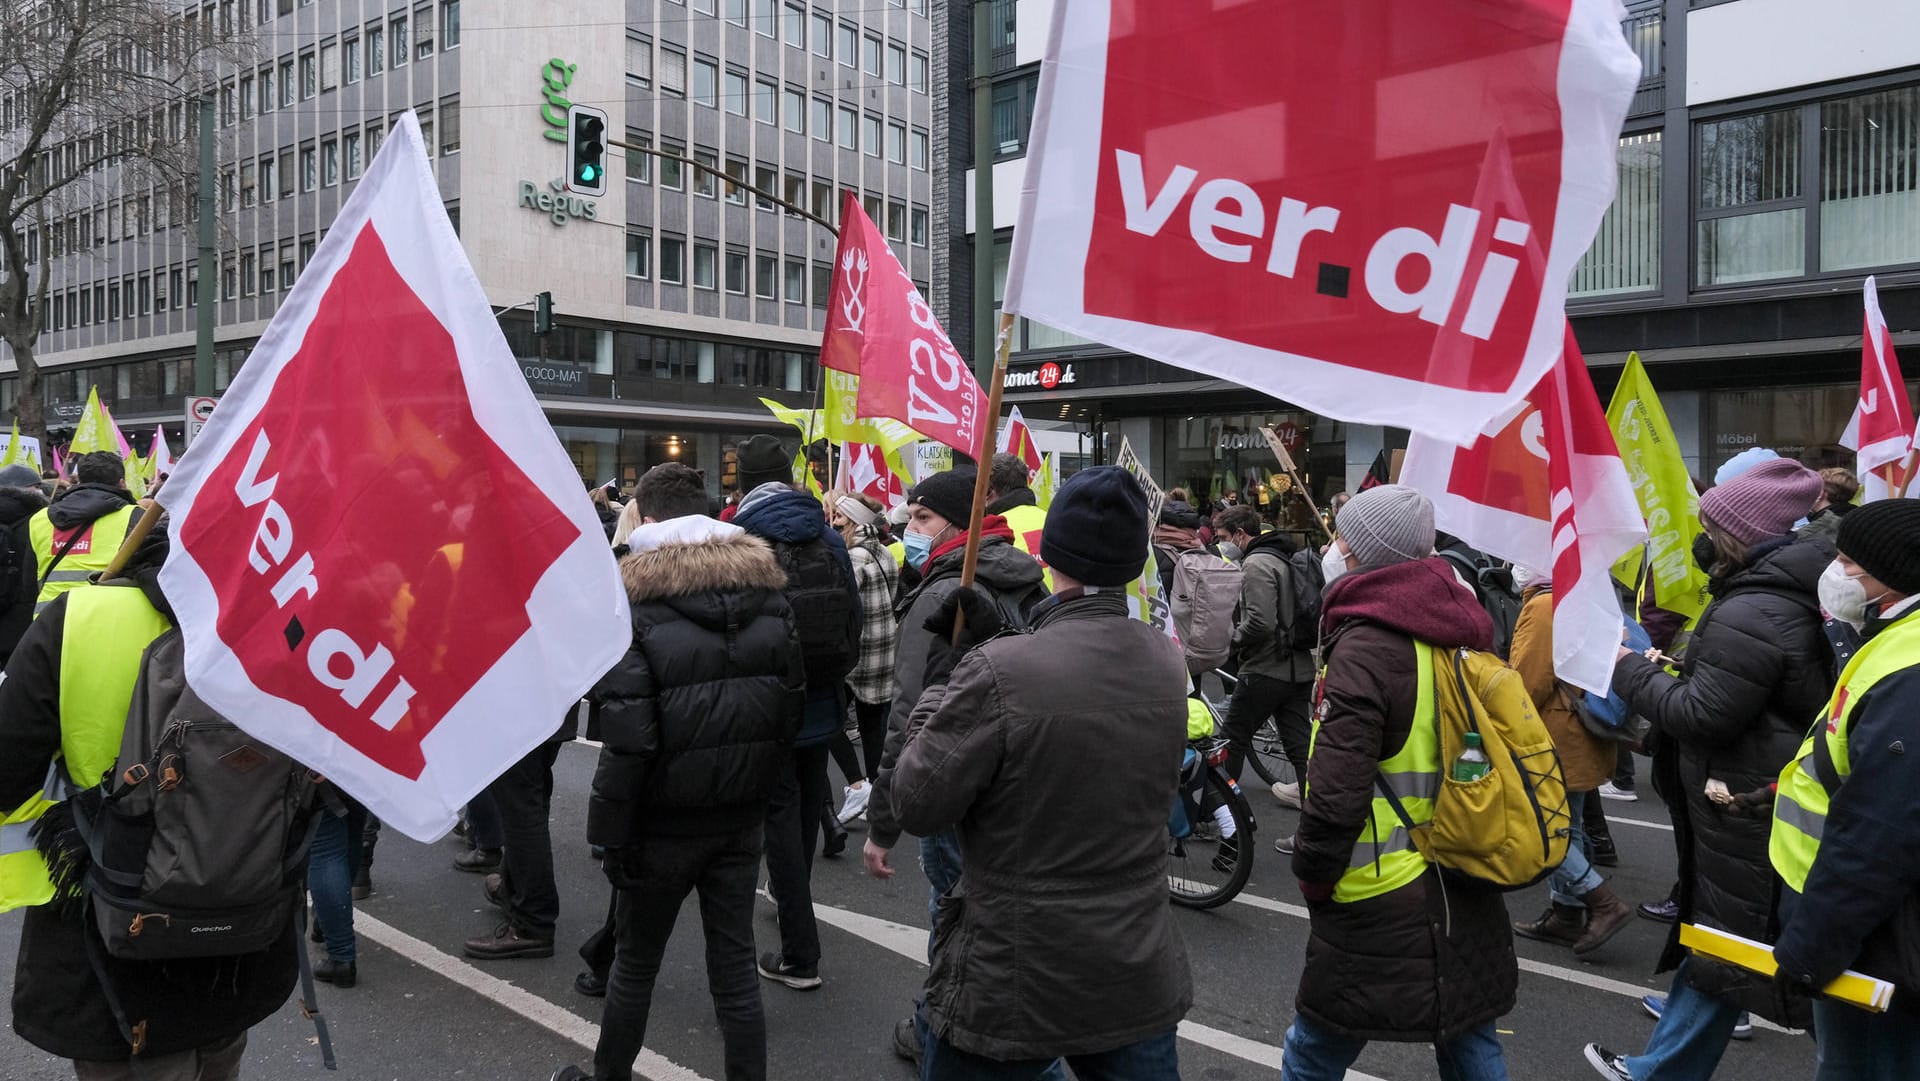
x=98 y=542
x=1800 y=803
x=1028 y=523
x=106 y=633
x=1384 y=858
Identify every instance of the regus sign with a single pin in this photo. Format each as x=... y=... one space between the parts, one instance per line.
x=559 y=207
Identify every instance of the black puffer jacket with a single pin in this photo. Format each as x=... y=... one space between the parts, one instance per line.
x=1755 y=675
x=698 y=718
x=1430 y=959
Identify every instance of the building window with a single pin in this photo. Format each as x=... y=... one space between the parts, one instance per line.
x=450 y=24
x=672 y=172
x=287 y=85
x=870 y=134
x=917 y=149
x=246 y=98
x=896 y=221
x=673 y=71
x=706 y=80
x=639 y=161
x=309 y=169
x=350 y=60
x=673 y=255
x=822 y=285
x=309 y=76
x=329 y=66
x=736 y=178
x=917 y=72
x=764 y=17
x=706 y=269
x=736 y=271
x=870 y=55
x=1625 y=256
x=847 y=128
x=917 y=227
x=766 y=277
x=896 y=65
x=1870 y=180
x=376 y=39
x=766 y=101
x=350 y=147
x=767 y=180
x=639 y=254
x=449 y=125
x=793 y=25
x=796 y=282
x=329 y=163
x=423 y=34
x=848 y=46
x=640 y=60
x=796 y=107
x=735 y=92
x=737 y=12
x=823 y=200
x=822 y=35
x=397 y=29
x=704 y=184
x=249 y=266
x=1748 y=180
x=1013 y=115
x=266 y=92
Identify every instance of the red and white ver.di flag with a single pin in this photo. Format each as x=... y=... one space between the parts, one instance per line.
x=382 y=561
x=880 y=328
x=1017 y=439
x=1544 y=486
x=1881 y=432
x=1283 y=193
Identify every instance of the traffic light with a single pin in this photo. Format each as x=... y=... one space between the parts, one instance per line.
x=543 y=313
x=586 y=150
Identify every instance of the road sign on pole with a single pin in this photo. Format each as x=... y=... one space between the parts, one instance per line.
x=199 y=408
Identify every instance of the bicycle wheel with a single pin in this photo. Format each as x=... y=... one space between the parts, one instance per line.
x=1209 y=873
x=1269 y=758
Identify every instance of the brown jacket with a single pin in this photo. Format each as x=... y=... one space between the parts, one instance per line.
x=1586 y=760
x=1058 y=938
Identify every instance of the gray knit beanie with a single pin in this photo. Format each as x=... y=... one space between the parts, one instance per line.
x=1391 y=523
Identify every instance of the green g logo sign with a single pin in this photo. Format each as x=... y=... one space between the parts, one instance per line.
x=555 y=77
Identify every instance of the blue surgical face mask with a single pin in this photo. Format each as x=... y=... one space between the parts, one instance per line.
x=919 y=546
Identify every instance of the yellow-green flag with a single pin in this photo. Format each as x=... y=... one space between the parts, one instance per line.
x=13 y=456
x=1046 y=481
x=809 y=423
x=96 y=430
x=843 y=421
x=1665 y=492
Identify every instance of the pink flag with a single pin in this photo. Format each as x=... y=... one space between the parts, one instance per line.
x=383 y=562
x=1544 y=486
x=1284 y=194
x=879 y=326
x=1881 y=431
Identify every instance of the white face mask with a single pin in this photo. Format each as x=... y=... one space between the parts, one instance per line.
x=1334 y=563
x=1844 y=596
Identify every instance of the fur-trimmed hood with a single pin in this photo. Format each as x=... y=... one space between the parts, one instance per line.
x=722 y=562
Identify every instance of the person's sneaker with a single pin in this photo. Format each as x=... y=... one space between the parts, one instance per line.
x=1284 y=845
x=1287 y=794
x=798 y=977
x=1655 y=1005
x=477 y=861
x=1624 y=795
x=590 y=985
x=1607 y=1064
x=570 y=1073
x=1663 y=911
x=340 y=974
x=906 y=1040
x=507 y=942
x=854 y=805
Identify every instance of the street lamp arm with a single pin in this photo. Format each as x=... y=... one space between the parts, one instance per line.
x=722 y=176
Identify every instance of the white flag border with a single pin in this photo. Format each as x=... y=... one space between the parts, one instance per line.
x=532 y=680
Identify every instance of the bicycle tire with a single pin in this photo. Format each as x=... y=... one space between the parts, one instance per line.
x=1190 y=887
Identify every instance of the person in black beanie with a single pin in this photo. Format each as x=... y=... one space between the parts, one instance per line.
x=1070 y=949
x=1846 y=839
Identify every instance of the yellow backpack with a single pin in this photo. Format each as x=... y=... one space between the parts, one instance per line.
x=1509 y=828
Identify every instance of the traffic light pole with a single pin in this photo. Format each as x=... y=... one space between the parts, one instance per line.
x=735 y=181
x=208 y=288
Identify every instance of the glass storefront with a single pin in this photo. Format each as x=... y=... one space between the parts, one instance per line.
x=623 y=454
x=1211 y=456
x=1795 y=422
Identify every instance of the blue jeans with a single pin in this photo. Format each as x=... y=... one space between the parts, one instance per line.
x=1313 y=1053
x=1690 y=1036
x=1859 y=1046
x=330 y=878
x=1576 y=877
x=1155 y=1058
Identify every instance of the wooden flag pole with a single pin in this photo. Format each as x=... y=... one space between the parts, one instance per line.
x=1279 y=448
x=150 y=512
x=983 y=469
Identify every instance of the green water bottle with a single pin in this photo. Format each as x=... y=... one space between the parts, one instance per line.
x=1472 y=763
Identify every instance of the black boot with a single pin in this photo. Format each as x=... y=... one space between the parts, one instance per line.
x=833 y=835
x=363 y=875
x=1600 y=850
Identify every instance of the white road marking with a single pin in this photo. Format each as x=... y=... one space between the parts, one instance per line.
x=560 y=1021
x=1642 y=823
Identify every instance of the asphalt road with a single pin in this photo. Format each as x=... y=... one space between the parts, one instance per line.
x=422 y=1012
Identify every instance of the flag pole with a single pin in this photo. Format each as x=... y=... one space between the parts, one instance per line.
x=1003 y=344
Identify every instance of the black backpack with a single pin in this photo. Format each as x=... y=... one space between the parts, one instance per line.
x=1309 y=582
x=1492 y=584
x=826 y=610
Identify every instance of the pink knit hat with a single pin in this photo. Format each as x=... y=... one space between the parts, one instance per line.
x=1763 y=502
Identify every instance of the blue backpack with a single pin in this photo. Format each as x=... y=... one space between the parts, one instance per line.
x=1607 y=716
